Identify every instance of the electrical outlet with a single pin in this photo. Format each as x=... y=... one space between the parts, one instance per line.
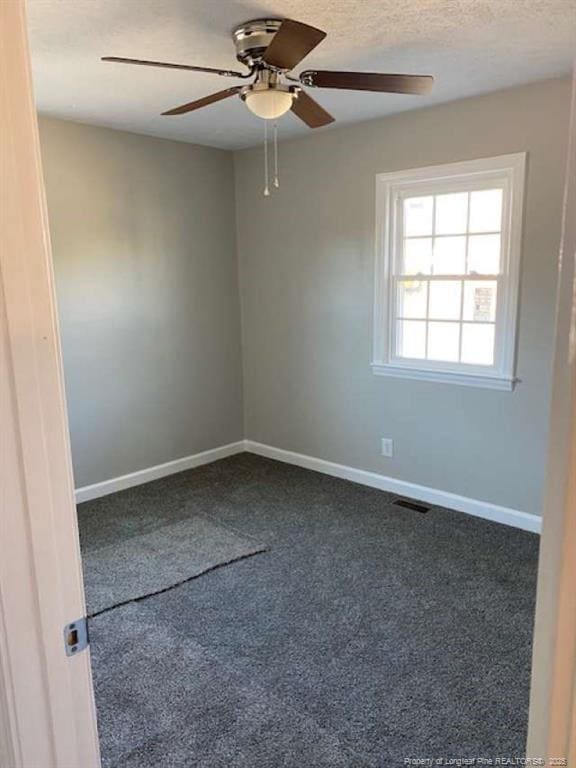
x=387 y=447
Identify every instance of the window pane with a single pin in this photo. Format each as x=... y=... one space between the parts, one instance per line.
x=451 y=213
x=411 y=339
x=418 y=216
x=449 y=255
x=478 y=344
x=480 y=300
x=417 y=256
x=445 y=297
x=443 y=339
x=412 y=299
x=484 y=254
x=486 y=210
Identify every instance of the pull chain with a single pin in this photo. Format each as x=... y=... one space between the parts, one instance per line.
x=266 y=178
x=276 y=178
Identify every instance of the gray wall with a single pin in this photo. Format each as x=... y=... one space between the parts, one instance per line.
x=306 y=264
x=143 y=237
x=146 y=233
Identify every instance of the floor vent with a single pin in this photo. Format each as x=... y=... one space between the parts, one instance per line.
x=415 y=506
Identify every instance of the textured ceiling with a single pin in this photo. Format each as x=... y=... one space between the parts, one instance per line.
x=471 y=46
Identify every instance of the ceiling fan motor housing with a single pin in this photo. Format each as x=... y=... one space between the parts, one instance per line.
x=253 y=38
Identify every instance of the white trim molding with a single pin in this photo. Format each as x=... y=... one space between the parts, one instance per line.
x=475 y=507
x=552 y=722
x=506 y=173
x=445 y=377
x=47 y=710
x=89 y=492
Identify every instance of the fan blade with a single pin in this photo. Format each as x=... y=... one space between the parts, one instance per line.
x=310 y=111
x=368 y=81
x=167 y=65
x=291 y=44
x=214 y=97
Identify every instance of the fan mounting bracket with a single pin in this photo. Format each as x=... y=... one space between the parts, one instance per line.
x=252 y=38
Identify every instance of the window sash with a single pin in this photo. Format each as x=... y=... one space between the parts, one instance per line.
x=465 y=182
x=462 y=276
x=457 y=364
x=446 y=188
x=466 y=236
x=395 y=318
x=471 y=233
x=433 y=190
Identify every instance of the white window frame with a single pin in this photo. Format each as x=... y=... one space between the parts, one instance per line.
x=504 y=171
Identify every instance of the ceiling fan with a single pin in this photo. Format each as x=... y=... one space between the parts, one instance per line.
x=270 y=49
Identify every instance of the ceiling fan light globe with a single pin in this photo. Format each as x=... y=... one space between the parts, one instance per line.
x=269 y=104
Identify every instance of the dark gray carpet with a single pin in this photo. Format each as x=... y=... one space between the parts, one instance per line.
x=367 y=634
x=148 y=563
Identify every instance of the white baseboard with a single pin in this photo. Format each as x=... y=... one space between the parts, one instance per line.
x=89 y=492
x=484 y=509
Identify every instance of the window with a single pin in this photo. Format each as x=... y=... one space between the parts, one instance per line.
x=447 y=271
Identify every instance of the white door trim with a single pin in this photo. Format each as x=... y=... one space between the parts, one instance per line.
x=552 y=727
x=48 y=705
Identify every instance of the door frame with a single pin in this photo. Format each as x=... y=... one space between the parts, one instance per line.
x=552 y=724
x=47 y=713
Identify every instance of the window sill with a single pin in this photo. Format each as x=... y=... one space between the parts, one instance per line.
x=445 y=377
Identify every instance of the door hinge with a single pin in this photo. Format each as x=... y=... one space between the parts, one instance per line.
x=76 y=636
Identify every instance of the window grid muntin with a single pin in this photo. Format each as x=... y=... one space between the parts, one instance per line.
x=399 y=277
